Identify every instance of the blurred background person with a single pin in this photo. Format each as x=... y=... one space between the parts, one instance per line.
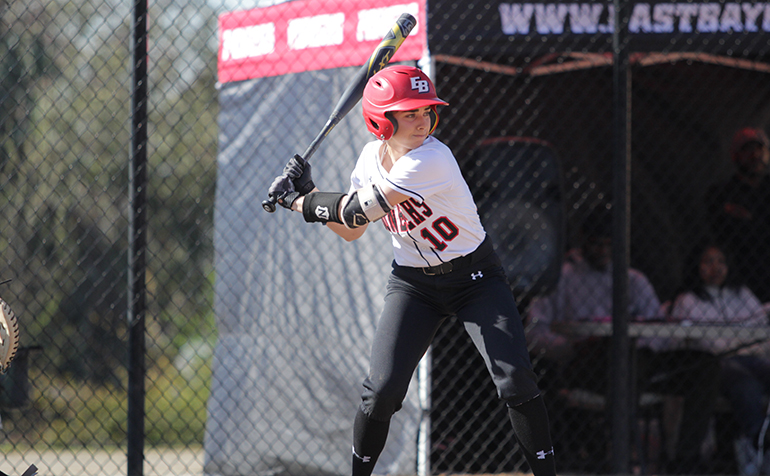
x=584 y=293
x=714 y=295
x=740 y=211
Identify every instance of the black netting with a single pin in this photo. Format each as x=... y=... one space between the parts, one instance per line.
x=258 y=326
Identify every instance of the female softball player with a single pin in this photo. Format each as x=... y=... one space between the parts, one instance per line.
x=444 y=263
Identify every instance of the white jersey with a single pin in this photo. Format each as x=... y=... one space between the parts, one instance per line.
x=440 y=221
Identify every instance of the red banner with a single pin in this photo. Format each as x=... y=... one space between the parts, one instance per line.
x=310 y=35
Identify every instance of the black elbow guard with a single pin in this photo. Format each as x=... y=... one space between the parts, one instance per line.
x=365 y=205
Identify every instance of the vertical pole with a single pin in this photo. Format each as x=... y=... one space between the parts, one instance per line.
x=423 y=435
x=619 y=374
x=137 y=241
x=428 y=65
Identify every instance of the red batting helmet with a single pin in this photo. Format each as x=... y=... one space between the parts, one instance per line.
x=397 y=88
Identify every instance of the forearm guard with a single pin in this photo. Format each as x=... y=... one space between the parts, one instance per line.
x=322 y=207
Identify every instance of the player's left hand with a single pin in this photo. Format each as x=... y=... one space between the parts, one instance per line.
x=282 y=189
x=300 y=172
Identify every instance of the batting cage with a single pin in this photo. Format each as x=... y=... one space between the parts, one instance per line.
x=617 y=154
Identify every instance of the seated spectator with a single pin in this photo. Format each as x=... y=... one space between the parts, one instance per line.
x=584 y=293
x=714 y=296
x=739 y=211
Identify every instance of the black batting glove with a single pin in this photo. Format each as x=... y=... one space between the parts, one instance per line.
x=299 y=170
x=282 y=189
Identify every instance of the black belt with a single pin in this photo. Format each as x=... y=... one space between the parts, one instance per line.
x=461 y=262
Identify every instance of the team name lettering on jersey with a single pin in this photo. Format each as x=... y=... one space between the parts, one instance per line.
x=406 y=216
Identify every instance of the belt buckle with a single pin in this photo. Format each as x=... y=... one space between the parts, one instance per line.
x=443 y=268
x=430 y=271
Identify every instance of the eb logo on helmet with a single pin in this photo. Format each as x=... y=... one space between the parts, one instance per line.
x=421 y=85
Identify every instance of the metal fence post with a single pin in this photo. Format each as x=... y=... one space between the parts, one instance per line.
x=137 y=238
x=423 y=438
x=619 y=373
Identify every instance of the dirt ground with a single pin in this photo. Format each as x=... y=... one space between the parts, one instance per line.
x=85 y=462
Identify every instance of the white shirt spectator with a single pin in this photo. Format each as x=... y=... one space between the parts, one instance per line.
x=584 y=293
x=724 y=305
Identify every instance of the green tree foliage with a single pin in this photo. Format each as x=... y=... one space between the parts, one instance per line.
x=65 y=131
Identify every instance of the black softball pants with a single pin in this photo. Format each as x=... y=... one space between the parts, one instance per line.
x=415 y=306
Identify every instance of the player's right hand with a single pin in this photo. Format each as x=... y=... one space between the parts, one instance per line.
x=299 y=171
x=283 y=191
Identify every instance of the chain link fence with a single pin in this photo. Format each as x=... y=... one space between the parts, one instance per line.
x=257 y=340
x=65 y=148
